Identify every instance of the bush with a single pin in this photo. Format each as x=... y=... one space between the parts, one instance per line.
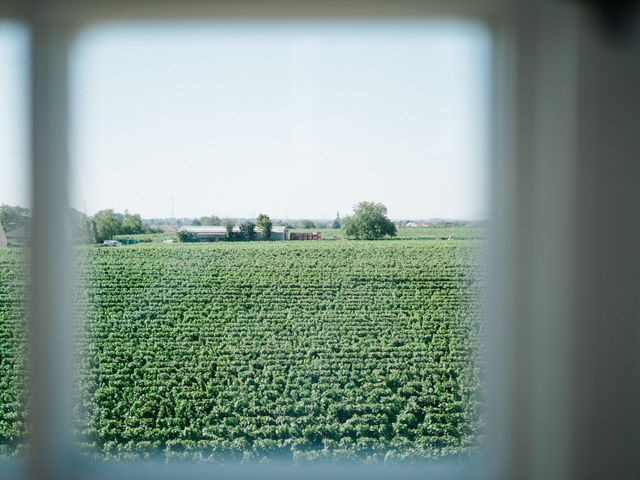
x=187 y=237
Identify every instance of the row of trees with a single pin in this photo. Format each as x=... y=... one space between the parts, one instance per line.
x=309 y=224
x=246 y=231
x=368 y=222
x=14 y=217
x=102 y=226
x=109 y=224
x=214 y=220
x=106 y=224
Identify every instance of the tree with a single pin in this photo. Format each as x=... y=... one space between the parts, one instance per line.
x=14 y=217
x=248 y=230
x=307 y=224
x=196 y=223
x=210 y=221
x=83 y=228
x=264 y=223
x=150 y=229
x=187 y=237
x=132 y=224
x=107 y=225
x=228 y=225
x=336 y=223
x=369 y=222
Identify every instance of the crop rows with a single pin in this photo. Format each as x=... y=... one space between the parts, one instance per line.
x=302 y=350
x=12 y=353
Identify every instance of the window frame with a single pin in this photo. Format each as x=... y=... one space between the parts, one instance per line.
x=53 y=27
x=548 y=59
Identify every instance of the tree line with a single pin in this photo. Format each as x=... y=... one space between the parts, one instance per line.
x=369 y=221
x=106 y=224
x=246 y=231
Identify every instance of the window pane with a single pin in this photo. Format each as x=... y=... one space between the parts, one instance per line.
x=203 y=340
x=14 y=236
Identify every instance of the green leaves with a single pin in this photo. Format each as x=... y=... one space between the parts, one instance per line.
x=306 y=351
x=369 y=222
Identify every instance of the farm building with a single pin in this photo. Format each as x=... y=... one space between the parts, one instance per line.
x=218 y=233
x=305 y=236
x=19 y=236
x=3 y=238
x=278 y=232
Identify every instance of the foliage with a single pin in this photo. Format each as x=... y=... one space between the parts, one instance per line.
x=213 y=220
x=247 y=231
x=187 y=237
x=337 y=224
x=146 y=237
x=228 y=226
x=414 y=233
x=107 y=225
x=83 y=228
x=13 y=341
x=369 y=222
x=131 y=224
x=307 y=224
x=295 y=350
x=14 y=217
x=264 y=223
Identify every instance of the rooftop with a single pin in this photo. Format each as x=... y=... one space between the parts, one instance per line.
x=223 y=230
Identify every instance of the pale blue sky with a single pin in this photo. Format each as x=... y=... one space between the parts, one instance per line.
x=291 y=119
x=13 y=115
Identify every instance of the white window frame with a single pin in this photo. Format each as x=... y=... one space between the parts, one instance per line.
x=552 y=131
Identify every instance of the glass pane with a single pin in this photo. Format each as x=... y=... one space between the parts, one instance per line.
x=348 y=336
x=14 y=237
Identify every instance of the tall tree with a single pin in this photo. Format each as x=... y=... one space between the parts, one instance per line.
x=369 y=222
x=107 y=224
x=248 y=231
x=336 y=222
x=132 y=224
x=264 y=223
x=83 y=228
x=228 y=226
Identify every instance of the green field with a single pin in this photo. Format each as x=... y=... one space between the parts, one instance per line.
x=12 y=353
x=246 y=351
x=404 y=233
x=410 y=233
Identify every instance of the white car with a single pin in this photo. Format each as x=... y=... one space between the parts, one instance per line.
x=112 y=243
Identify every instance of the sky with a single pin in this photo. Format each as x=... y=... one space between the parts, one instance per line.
x=14 y=154
x=296 y=120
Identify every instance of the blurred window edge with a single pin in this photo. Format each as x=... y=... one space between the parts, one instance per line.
x=60 y=24
x=541 y=48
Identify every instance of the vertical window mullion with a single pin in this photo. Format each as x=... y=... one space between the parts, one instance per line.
x=50 y=366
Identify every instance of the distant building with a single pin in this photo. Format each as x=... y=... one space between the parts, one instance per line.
x=167 y=228
x=3 y=238
x=19 y=236
x=277 y=232
x=217 y=233
x=305 y=236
